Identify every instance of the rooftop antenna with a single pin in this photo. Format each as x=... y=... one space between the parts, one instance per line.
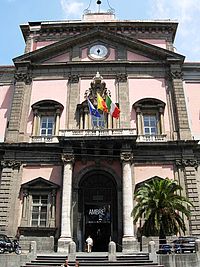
x=99 y=4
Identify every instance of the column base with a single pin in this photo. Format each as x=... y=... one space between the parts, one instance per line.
x=63 y=244
x=129 y=245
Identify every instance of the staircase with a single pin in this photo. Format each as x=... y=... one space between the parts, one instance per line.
x=94 y=260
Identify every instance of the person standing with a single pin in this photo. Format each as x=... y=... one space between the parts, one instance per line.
x=89 y=242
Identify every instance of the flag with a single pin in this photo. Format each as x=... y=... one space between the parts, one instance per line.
x=112 y=108
x=101 y=104
x=93 y=110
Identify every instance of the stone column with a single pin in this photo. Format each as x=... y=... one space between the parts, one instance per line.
x=66 y=234
x=162 y=124
x=129 y=241
x=57 y=124
x=35 y=122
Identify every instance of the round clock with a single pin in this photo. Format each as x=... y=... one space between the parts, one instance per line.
x=98 y=51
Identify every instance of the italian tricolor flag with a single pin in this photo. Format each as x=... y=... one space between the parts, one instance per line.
x=112 y=108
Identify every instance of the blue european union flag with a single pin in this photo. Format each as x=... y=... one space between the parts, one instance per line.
x=93 y=110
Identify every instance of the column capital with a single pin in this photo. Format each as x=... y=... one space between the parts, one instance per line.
x=10 y=164
x=68 y=158
x=126 y=156
x=73 y=78
x=182 y=163
x=23 y=77
x=121 y=77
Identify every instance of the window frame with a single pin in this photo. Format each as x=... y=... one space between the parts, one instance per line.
x=39 y=187
x=46 y=108
x=149 y=107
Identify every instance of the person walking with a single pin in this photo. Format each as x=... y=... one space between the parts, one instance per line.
x=89 y=242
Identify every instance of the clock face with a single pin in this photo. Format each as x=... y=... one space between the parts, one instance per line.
x=98 y=51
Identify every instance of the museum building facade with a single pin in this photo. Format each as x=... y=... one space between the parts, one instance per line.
x=65 y=173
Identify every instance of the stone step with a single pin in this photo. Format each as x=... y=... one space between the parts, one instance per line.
x=94 y=260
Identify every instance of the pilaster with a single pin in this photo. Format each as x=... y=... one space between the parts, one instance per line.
x=73 y=97
x=179 y=99
x=188 y=167
x=123 y=95
x=20 y=105
x=9 y=194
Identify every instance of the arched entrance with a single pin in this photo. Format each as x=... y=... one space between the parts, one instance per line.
x=98 y=205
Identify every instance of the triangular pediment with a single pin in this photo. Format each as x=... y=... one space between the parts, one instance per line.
x=39 y=183
x=60 y=52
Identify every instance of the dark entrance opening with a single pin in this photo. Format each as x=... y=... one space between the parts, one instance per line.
x=98 y=206
x=98 y=225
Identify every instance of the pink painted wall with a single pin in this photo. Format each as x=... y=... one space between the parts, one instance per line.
x=84 y=55
x=85 y=85
x=192 y=96
x=50 y=173
x=148 y=88
x=37 y=45
x=48 y=90
x=6 y=93
x=135 y=57
x=61 y=58
x=79 y=166
x=144 y=172
x=156 y=42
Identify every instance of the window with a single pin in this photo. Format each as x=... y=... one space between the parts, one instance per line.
x=149 y=116
x=47 y=125
x=39 y=203
x=46 y=118
x=150 y=124
x=39 y=210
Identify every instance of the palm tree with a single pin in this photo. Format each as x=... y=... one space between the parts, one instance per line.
x=161 y=207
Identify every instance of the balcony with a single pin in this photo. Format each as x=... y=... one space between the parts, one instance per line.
x=152 y=138
x=97 y=133
x=44 y=139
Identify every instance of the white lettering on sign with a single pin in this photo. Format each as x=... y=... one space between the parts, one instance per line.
x=96 y=211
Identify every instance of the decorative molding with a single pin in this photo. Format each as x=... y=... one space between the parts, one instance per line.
x=73 y=78
x=177 y=74
x=97 y=86
x=10 y=164
x=126 y=157
x=23 y=77
x=187 y=163
x=121 y=77
x=68 y=158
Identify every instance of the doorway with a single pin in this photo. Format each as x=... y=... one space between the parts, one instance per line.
x=98 y=209
x=98 y=225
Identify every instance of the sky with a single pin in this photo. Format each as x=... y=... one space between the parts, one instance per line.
x=16 y=12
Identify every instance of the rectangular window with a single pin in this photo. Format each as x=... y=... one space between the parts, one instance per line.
x=39 y=210
x=47 y=125
x=150 y=124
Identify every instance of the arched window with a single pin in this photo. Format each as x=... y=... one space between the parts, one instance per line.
x=150 y=116
x=46 y=121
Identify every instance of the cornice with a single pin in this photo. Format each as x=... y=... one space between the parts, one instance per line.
x=152 y=51
x=156 y=28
